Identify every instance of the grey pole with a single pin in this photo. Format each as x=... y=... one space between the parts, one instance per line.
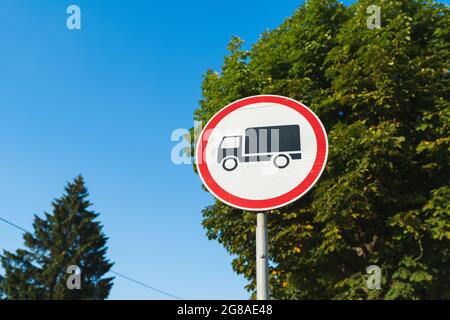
x=262 y=266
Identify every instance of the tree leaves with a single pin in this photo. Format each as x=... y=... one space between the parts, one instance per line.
x=383 y=197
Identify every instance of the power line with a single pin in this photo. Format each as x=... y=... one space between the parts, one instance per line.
x=14 y=225
x=111 y=271
x=145 y=285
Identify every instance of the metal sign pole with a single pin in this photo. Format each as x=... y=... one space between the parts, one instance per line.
x=262 y=266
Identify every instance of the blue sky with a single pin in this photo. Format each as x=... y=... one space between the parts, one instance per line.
x=103 y=101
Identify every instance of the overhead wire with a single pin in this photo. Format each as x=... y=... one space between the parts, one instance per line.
x=111 y=271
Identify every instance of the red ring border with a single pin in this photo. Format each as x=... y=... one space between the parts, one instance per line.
x=279 y=201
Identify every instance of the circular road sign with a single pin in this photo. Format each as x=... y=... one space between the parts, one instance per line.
x=261 y=152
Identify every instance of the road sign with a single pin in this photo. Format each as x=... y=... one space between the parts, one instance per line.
x=261 y=152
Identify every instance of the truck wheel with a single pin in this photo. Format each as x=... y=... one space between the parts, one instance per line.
x=281 y=161
x=230 y=164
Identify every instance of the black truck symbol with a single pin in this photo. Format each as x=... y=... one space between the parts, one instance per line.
x=280 y=144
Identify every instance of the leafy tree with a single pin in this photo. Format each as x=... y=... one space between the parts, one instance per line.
x=69 y=236
x=383 y=95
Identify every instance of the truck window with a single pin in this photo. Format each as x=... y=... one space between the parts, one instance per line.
x=230 y=143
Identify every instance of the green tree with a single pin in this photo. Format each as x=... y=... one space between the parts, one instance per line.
x=2 y=294
x=69 y=236
x=383 y=95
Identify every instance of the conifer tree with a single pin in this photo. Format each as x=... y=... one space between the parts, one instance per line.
x=69 y=236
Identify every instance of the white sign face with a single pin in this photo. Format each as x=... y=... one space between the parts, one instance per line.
x=261 y=152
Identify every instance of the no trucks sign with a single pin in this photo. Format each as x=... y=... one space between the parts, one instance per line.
x=261 y=152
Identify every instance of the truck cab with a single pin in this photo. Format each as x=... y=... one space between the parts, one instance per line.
x=230 y=152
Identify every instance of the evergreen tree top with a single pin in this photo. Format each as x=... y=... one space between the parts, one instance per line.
x=68 y=236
